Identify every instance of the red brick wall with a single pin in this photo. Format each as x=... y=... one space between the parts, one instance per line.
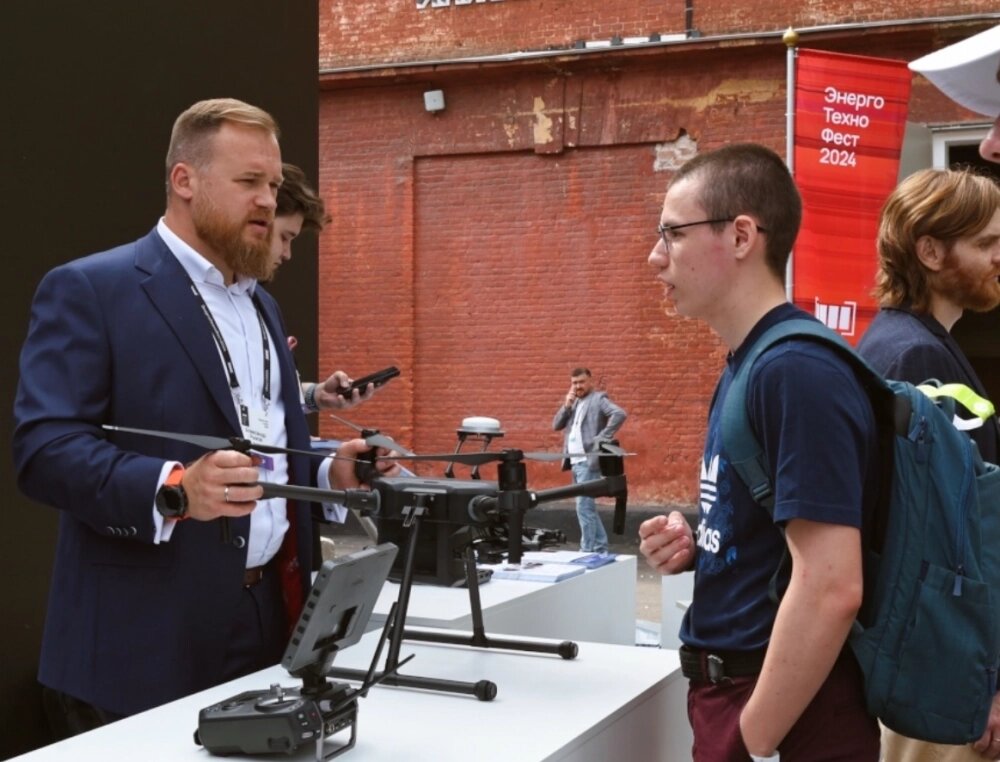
x=357 y=32
x=491 y=247
x=512 y=293
x=488 y=267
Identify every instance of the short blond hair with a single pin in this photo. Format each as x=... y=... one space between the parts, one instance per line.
x=189 y=139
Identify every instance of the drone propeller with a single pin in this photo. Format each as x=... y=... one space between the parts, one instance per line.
x=374 y=438
x=611 y=449
x=482 y=458
x=239 y=444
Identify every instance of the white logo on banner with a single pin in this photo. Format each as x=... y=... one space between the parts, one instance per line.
x=839 y=317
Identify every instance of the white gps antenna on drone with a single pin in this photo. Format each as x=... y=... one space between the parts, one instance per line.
x=475 y=427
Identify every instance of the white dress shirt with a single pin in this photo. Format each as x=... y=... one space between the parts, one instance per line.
x=236 y=315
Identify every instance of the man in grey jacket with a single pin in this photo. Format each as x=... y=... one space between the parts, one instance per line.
x=588 y=417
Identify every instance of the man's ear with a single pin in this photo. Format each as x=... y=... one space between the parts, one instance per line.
x=930 y=252
x=183 y=180
x=745 y=232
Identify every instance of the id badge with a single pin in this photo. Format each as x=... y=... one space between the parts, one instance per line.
x=257 y=432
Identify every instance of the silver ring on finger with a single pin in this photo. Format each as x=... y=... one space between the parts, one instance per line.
x=225 y=494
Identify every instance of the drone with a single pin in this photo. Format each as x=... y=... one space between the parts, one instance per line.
x=461 y=511
x=471 y=509
x=455 y=512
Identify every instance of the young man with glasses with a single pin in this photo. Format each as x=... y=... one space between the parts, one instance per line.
x=766 y=673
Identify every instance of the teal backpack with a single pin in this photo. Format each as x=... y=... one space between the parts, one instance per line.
x=927 y=637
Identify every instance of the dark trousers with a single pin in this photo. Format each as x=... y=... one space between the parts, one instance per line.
x=256 y=641
x=259 y=633
x=835 y=727
x=68 y=716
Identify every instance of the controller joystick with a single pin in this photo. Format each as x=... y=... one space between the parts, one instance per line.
x=275 y=700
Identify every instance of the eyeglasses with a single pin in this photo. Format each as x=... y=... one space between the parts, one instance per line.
x=667 y=231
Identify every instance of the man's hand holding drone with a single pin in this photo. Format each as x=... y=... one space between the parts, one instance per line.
x=343 y=470
x=221 y=483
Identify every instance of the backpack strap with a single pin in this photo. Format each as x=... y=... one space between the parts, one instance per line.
x=746 y=455
x=892 y=413
x=740 y=442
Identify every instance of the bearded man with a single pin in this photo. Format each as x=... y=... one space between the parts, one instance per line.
x=939 y=255
x=171 y=574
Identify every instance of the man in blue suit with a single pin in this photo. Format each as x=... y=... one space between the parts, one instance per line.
x=171 y=573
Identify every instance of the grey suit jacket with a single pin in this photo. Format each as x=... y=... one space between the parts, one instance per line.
x=601 y=419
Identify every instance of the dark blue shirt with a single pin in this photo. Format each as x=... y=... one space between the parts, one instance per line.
x=816 y=426
x=907 y=346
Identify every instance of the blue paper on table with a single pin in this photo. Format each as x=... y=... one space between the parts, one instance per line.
x=535 y=571
x=595 y=560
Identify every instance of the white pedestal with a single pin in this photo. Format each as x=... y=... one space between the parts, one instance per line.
x=675 y=596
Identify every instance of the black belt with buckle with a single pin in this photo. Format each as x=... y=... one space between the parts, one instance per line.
x=252 y=577
x=717 y=666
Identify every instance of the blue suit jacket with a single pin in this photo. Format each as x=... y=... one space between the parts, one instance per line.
x=118 y=337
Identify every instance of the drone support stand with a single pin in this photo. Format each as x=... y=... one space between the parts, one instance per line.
x=513 y=501
x=486 y=438
x=484 y=690
x=566 y=648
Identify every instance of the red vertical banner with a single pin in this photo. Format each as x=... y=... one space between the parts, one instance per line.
x=850 y=116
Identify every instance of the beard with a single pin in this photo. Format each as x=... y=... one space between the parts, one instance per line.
x=250 y=259
x=978 y=291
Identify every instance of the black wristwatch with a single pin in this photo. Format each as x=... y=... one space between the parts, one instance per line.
x=171 y=499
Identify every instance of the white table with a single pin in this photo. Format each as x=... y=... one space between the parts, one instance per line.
x=598 y=605
x=675 y=597
x=612 y=702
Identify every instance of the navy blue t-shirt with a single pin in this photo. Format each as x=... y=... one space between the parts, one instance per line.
x=817 y=428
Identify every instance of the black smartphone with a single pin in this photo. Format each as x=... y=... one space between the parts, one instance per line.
x=378 y=378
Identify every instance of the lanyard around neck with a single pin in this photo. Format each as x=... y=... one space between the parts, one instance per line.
x=220 y=342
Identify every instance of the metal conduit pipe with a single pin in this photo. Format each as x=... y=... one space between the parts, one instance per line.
x=689 y=30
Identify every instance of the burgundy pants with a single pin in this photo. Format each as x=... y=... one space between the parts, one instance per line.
x=834 y=727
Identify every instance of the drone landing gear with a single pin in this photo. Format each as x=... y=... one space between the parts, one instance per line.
x=484 y=690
